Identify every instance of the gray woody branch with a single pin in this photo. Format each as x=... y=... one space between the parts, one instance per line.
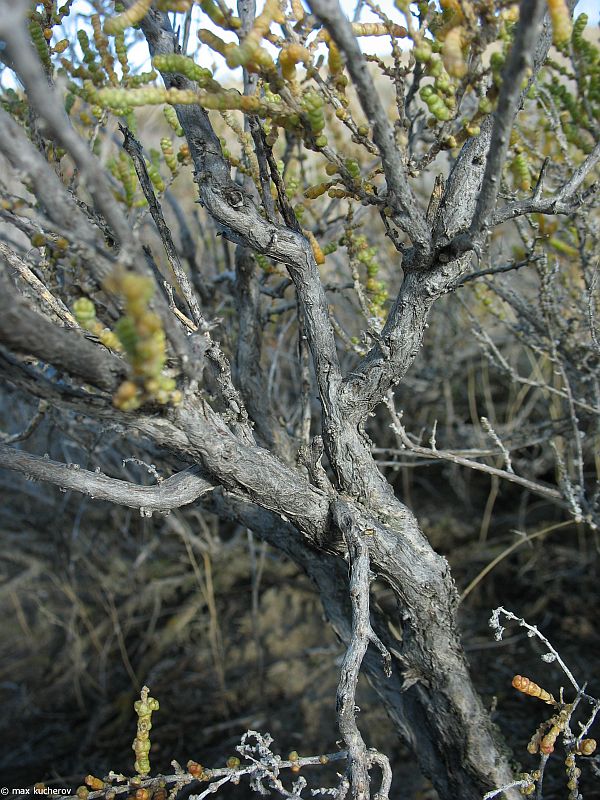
x=530 y=48
x=360 y=760
x=403 y=696
x=27 y=332
x=458 y=737
x=427 y=278
x=58 y=206
x=564 y=201
x=241 y=220
x=418 y=577
x=174 y=492
x=134 y=149
x=519 y=61
x=402 y=199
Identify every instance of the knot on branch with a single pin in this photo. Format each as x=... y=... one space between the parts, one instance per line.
x=234 y=197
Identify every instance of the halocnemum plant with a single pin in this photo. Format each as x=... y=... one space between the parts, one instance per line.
x=310 y=164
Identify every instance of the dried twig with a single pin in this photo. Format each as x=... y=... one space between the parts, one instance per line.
x=39 y=415
x=26 y=273
x=359 y=757
x=448 y=455
x=134 y=149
